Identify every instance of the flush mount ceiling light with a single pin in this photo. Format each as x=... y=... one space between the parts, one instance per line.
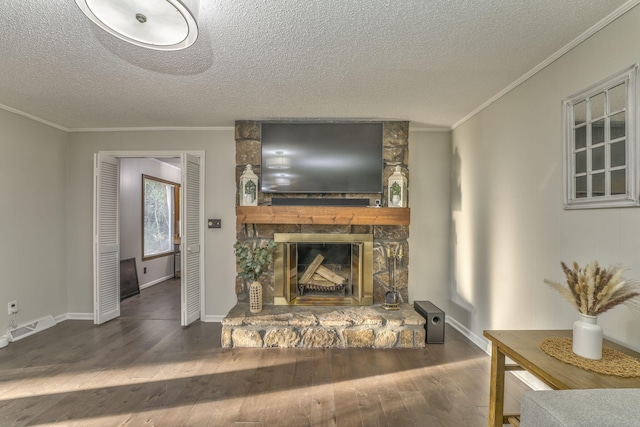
x=154 y=24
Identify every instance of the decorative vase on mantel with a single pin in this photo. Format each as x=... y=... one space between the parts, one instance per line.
x=587 y=337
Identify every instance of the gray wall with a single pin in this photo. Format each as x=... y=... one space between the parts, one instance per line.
x=509 y=230
x=32 y=218
x=430 y=216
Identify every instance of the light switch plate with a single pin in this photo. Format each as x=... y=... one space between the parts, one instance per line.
x=214 y=223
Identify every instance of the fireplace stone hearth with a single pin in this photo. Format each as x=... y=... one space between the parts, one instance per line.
x=323 y=327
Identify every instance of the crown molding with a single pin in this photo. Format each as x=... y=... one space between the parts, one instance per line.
x=151 y=129
x=32 y=117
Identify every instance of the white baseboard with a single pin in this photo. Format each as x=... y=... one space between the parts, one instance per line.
x=73 y=316
x=155 y=282
x=481 y=342
x=212 y=318
x=89 y=316
x=527 y=378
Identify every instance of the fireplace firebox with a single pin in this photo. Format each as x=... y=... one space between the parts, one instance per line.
x=323 y=269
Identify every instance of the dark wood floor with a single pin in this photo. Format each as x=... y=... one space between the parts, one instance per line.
x=145 y=369
x=159 y=302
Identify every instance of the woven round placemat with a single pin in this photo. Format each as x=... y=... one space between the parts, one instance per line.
x=613 y=362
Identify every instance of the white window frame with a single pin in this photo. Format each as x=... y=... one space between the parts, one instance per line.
x=171 y=188
x=630 y=198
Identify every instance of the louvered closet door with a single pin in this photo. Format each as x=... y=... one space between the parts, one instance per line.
x=192 y=217
x=106 y=253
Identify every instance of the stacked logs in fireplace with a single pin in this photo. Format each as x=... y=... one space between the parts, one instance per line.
x=341 y=275
x=319 y=278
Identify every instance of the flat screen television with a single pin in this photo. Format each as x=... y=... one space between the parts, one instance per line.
x=322 y=158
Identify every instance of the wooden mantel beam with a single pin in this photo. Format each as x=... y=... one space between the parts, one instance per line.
x=338 y=215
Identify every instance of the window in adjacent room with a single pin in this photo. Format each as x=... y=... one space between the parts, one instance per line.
x=600 y=144
x=160 y=212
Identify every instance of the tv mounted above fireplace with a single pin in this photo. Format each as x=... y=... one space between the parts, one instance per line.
x=322 y=158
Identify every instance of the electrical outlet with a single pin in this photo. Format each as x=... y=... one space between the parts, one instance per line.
x=13 y=307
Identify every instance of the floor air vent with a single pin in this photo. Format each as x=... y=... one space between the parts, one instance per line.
x=31 y=328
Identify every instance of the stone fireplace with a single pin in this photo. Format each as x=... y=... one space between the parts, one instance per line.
x=385 y=229
x=323 y=269
x=339 y=304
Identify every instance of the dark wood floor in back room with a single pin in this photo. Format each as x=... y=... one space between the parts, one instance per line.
x=145 y=369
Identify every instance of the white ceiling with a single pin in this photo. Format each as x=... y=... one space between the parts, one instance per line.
x=432 y=62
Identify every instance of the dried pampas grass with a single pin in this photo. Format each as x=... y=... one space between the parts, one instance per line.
x=594 y=290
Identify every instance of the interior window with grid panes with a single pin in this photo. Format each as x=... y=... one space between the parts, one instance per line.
x=600 y=131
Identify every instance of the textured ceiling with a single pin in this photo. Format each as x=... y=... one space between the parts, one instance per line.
x=428 y=61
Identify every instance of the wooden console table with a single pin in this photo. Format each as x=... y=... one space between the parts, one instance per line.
x=523 y=347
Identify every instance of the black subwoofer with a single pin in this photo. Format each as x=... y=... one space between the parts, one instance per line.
x=434 y=321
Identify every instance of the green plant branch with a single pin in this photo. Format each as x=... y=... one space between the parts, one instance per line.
x=252 y=260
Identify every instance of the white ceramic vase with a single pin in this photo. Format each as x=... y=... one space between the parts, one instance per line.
x=587 y=337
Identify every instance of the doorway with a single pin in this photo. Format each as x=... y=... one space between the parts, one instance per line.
x=108 y=227
x=150 y=233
